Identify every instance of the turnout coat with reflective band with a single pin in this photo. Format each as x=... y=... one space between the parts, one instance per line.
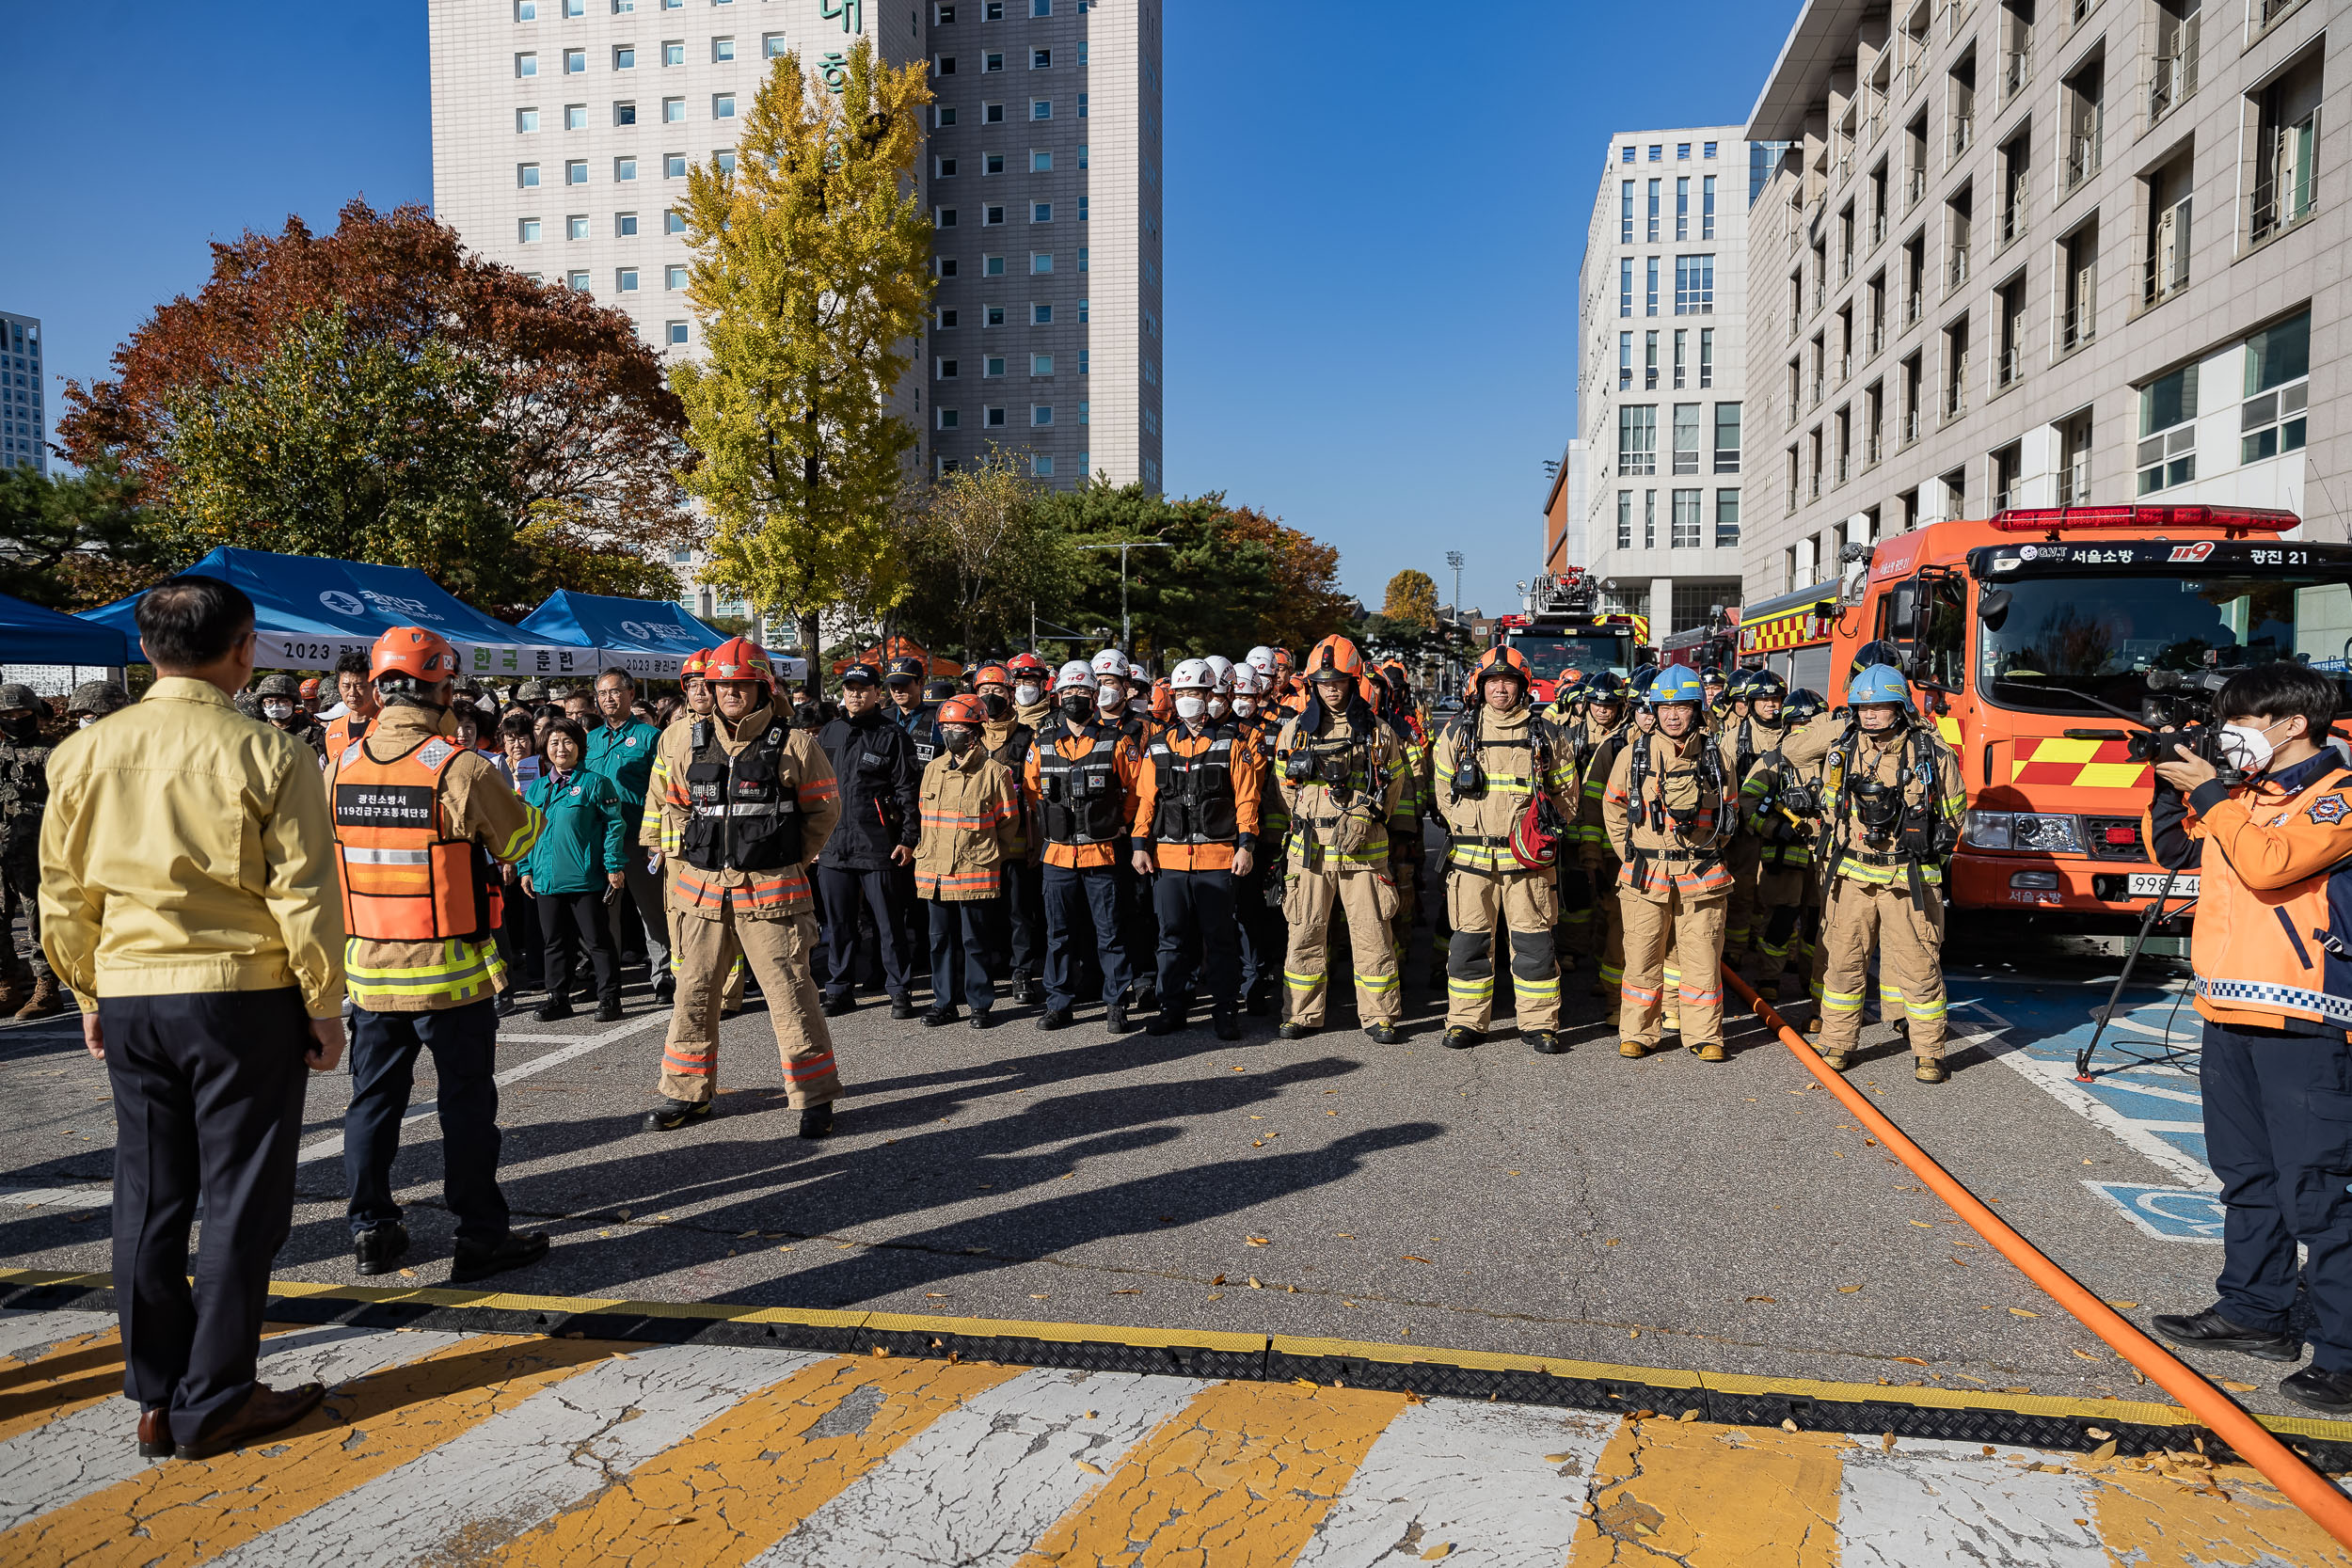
x=1593 y=751
x=2273 y=923
x=1507 y=746
x=1082 y=781
x=743 y=769
x=475 y=819
x=971 y=828
x=1340 y=814
x=1849 y=757
x=1199 y=797
x=1657 y=854
x=1785 y=837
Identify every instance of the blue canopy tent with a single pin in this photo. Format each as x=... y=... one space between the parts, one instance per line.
x=644 y=637
x=31 y=635
x=311 y=611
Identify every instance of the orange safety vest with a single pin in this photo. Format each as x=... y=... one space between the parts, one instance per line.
x=339 y=739
x=405 y=879
x=2273 y=950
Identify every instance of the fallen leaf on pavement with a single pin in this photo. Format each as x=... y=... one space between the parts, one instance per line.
x=1254 y=1283
x=1887 y=1442
x=2084 y=1355
x=1259 y=1240
x=1090 y=1467
x=2234 y=1386
x=1444 y=1548
x=936 y=1296
x=1848 y=1290
x=1770 y=1301
x=1923 y=1225
x=2096 y=1432
x=1345 y=1235
x=407 y=1274
x=2021 y=1312
x=1910 y=1361
x=1214 y=1295
x=747 y=1233
x=1787 y=1424
x=2122 y=1306
x=1688 y=1416
x=1218 y=1280
x=2105 y=1451
x=1127 y=1292
x=1411 y=1258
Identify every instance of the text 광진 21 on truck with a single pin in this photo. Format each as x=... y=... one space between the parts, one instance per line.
x=2041 y=641
x=1562 y=628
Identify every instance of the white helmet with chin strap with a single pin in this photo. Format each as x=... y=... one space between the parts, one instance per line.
x=1110 y=662
x=1193 y=674
x=1077 y=672
x=1261 y=660
x=1222 y=668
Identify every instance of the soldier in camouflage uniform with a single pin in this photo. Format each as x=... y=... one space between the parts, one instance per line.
x=24 y=791
x=280 y=697
x=93 y=700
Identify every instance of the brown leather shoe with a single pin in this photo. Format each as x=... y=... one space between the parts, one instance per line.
x=155 y=1433
x=265 y=1410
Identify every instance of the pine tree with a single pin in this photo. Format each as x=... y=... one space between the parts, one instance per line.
x=810 y=280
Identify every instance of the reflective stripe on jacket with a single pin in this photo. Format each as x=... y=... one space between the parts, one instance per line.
x=971 y=826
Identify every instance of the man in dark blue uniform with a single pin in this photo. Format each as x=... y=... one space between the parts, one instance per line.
x=873 y=849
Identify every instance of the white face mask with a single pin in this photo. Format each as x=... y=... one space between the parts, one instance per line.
x=1219 y=707
x=1028 y=696
x=278 y=710
x=1110 y=698
x=1245 y=705
x=2248 y=748
x=86 y=720
x=1190 y=707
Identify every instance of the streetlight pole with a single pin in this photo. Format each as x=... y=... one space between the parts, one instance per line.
x=1454 y=558
x=1126 y=628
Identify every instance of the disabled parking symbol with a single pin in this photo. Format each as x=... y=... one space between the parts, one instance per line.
x=2166 y=1213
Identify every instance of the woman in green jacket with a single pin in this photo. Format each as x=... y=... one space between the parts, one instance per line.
x=575 y=870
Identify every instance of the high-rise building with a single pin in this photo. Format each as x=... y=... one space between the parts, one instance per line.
x=23 y=422
x=2053 y=257
x=562 y=129
x=1660 y=373
x=1565 y=509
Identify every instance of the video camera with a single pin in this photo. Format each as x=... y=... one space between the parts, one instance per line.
x=2178 y=712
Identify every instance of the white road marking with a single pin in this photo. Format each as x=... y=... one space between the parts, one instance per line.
x=2119 y=1080
x=95 y=1194
x=528 y=1463
x=1471 y=1476
x=2054 y=1079
x=1930 y=1502
x=23 y=1334
x=97 y=1447
x=984 y=1482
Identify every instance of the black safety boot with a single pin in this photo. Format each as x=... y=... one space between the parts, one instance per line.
x=901 y=1008
x=1056 y=1018
x=1166 y=1024
x=511 y=1251
x=1115 y=1018
x=1296 y=1031
x=1382 y=1034
x=834 y=1007
x=672 y=1114
x=2321 y=1390
x=817 y=1121
x=609 y=1012
x=1462 y=1037
x=1025 y=991
x=1228 y=1027
x=944 y=1013
x=379 y=1248
x=2210 y=1330
x=1545 y=1042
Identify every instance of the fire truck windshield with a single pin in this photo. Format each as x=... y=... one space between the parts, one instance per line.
x=1551 y=655
x=2102 y=635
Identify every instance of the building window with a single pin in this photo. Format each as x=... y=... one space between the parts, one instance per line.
x=1082 y=413
x=942 y=218
x=1041 y=59
x=1649 y=519
x=721 y=50
x=1706 y=205
x=625 y=168
x=1650 y=307
x=1040 y=108
x=993 y=364
x=576 y=227
x=526 y=122
x=2168 y=202
x=624 y=114
x=1041 y=260
x=946 y=417
x=1041 y=414
x=1625 y=213
x=1707 y=356
x=1682 y=152
x=1694 y=285
x=1084 y=355
x=625 y=225
x=993 y=418
x=722 y=106
x=1681 y=346
x=673 y=222
x=1658 y=153
x=674 y=278
x=992 y=266
x=724 y=158
x=1041 y=364
x=1042 y=465
x=1624 y=286
x=2167 y=431
x=1686 y=535
x=991 y=114
x=673 y=111
x=1082 y=262
x=625 y=281
x=1650 y=229
x=992 y=216
x=1628 y=155
x=943 y=168
x=1082 y=105
x=1637 y=439
x=1649 y=361
x=575 y=117
x=1625 y=361
x=1625 y=498
x=526 y=174
x=526 y=65
x=1682 y=207
x=992 y=62
x=1041 y=163
x=578 y=280
x=1710 y=150
x=575 y=62
x=2278 y=387
x=773 y=45
x=528 y=230
x=1726 y=437
x=945 y=320
x=576 y=172
x=526 y=10
x=1726 y=510
x=624 y=57
x=673 y=166
x=673 y=52
x=946 y=369
x=1041 y=211
x=1687 y=445
x=992 y=315
x=992 y=163
x=1040 y=7
x=1040 y=315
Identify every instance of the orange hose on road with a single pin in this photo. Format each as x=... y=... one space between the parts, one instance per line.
x=2253 y=1442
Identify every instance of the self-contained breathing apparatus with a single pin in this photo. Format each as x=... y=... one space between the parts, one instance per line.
x=1536 y=836
x=1896 y=829
x=1671 y=820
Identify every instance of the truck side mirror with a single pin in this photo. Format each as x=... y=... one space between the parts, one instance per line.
x=1992 y=606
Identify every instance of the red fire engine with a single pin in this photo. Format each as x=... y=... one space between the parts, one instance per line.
x=1560 y=630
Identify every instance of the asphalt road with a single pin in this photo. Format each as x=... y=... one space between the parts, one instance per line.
x=1665 y=1212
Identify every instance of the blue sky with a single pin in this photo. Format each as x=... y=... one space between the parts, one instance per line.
x=1375 y=214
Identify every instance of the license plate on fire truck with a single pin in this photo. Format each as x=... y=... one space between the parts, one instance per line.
x=2147 y=884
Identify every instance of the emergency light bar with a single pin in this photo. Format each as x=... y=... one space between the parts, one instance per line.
x=2051 y=519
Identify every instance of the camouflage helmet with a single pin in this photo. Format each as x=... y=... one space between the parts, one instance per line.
x=280 y=686
x=97 y=697
x=532 y=691
x=17 y=694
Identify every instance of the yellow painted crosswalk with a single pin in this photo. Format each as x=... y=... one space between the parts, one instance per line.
x=559 y=1452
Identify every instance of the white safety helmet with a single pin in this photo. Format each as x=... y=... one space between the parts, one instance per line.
x=1222 y=668
x=1076 y=673
x=1110 y=662
x=1261 y=660
x=1247 y=682
x=1193 y=674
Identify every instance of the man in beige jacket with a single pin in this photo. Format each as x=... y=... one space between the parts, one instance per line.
x=189 y=900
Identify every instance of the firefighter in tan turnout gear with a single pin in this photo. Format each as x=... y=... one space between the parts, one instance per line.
x=743 y=805
x=1892 y=798
x=1669 y=817
x=1496 y=762
x=1340 y=773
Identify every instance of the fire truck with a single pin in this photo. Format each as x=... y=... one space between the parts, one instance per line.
x=2039 y=642
x=1560 y=630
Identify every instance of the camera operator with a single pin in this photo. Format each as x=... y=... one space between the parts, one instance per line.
x=2276 y=1067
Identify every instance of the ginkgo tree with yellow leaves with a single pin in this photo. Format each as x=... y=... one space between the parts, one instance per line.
x=810 y=281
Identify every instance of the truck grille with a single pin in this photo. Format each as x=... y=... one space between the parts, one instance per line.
x=2113 y=838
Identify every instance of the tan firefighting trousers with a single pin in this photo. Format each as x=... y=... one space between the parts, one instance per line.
x=1693 y=931
x=779 y=951
x=1527 y=903
x=1607 y=929
x=1368 y=899
x=1909 y=941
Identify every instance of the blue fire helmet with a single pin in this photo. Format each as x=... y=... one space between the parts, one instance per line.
x=1677 y=683
x=1879 y=683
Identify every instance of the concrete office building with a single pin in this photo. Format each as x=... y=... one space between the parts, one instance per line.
x=1565 y=508
x=23 y=420
x=2065 y=253
x=1660 y=366
x=562 y=129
